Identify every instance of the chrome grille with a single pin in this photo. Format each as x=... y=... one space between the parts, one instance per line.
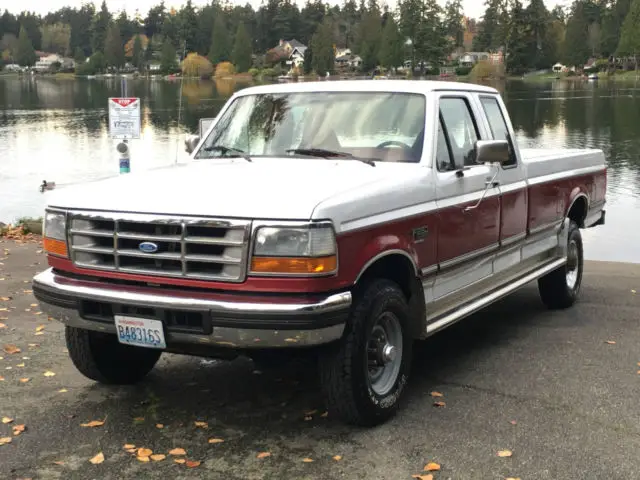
x=197 y=248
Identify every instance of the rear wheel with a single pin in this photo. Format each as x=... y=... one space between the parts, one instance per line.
x=364 y=375
x=100 y=357
x=560 y=288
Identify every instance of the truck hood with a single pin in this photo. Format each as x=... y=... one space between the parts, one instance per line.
x=265 y=188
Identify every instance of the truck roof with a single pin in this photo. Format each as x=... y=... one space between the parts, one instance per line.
x=403 y=86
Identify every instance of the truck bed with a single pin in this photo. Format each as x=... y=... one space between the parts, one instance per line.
x=540 y=162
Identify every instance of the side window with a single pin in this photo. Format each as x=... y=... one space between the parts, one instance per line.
x=460 y=129
x=498 y=125
x=443 y=154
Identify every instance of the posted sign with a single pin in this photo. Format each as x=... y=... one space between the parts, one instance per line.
x=124 y=118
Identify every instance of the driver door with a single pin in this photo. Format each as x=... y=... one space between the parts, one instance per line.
x=469 y=217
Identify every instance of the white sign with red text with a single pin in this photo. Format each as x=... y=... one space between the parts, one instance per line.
x=124 y=118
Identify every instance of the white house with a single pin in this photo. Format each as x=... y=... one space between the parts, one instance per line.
x=44 y=64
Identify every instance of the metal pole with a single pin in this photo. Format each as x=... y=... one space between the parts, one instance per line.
x=123 y=147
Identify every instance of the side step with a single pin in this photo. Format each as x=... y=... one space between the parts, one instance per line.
x=488 y=299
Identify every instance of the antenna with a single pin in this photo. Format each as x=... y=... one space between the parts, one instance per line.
x=184 y=53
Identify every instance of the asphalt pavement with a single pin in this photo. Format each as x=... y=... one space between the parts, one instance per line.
x=558 y=390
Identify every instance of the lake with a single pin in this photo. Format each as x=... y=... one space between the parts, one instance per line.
x=56 y=130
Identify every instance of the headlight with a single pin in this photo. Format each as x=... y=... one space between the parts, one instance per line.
x=295 y=250
x=55 y=233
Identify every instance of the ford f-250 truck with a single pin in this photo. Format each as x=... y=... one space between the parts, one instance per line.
x=339 y=219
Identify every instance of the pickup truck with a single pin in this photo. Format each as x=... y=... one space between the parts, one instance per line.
x=340 y=220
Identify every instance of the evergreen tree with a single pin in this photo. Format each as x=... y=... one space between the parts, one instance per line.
x=489 y=28
x=576 y=49
x=113 y=50
x=308 y=60
x=242 y=50
x=100 y=25
x=370 y=34
x=138 y=53
x=168 y=62
x=188 y=23
x=322 y=44
x=79 y=56
x=25 y=54
x=220 y=50
x=390 y=54
x=630 y=34
x=453 y=22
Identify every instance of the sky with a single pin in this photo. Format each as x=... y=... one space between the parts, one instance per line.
x=472 y=8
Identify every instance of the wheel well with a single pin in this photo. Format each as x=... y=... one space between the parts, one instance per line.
x=400 y=270
x=578 y=211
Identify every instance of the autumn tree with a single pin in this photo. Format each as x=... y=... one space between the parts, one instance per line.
x=242 y=50
x=195 y=65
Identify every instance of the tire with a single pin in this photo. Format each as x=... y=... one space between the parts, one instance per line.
x=100 y=357
x=560 y=288
x=353 y=392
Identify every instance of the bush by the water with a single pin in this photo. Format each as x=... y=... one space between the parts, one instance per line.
x=225 y=69
x=269 y=72
x=463 y=71
x=254 y=72
x=197 y=66
x=485 y=70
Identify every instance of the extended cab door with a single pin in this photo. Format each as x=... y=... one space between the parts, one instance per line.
x=468 y=203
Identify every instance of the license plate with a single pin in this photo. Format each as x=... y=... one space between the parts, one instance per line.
x=140 y=332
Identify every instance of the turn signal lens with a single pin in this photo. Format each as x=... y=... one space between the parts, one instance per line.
x=55 y=247
x=294 y=265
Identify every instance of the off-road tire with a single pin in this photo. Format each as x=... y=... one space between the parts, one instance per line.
x=555 y=290
x=100 y=357
x=343 y=366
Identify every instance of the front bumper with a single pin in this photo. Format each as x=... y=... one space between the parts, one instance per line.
x=196 y=317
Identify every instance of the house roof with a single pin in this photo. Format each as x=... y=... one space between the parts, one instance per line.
x=296 y=44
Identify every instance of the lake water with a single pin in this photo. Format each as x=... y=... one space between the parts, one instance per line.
x=56 y=130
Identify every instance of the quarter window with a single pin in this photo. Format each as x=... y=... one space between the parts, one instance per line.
x=460 y=130
x=498 y=125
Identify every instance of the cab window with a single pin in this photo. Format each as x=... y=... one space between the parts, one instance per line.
x=460 y=130
x=498 y=125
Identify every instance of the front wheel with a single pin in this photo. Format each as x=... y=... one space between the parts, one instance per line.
x=560 y=288
x=100 y=357
x=364 y=375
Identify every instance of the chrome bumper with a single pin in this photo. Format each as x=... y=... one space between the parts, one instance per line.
x=233 y=323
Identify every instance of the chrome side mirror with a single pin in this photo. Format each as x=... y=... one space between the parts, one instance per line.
x=191 y=142
x=492 y=151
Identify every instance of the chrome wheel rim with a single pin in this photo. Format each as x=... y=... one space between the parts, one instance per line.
x=384 y=353
x=573 y=266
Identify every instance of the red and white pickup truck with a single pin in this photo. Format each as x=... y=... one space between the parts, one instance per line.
x=337 y=219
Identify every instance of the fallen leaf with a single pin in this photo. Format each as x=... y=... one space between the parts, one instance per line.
x=98 y=459
x=505 y=453
x=216 y=440
x=39 y=328
x=145 y=452
x=423 y=477
x=4 y=299
x=337 y=458
x=193 y=463
x=5 y=440
x=264 y=455
x=1 y=378
x=307 y=460
x=11 y=349
x=63 y=390
x=633 y=291
x=439 y=404
x=513 y=478
x=131 y=450
x=610 y=342
x=142 y=459
x=33 y=305
x=159 y=425
x=39 y=333
x=24 y=380
x=27 y=291
x=18 y=429
x=325 y=415
x=179 y=460
x=7 y=420
x=177 y=451
x=431 y=467
x=128 y=446
x=34 y=345
x=4 y=309
x=38 y=313
x=93 y=423
x=312 y=412
x=306 y=419
x=20 y=365
x=49 y=374
x=201 y=424
x=59 y=462
x=158 y=457
x=2 y=325
x=436 y=394
x=513 y=422
x=138 y=419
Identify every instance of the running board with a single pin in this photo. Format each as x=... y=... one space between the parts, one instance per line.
x=486 y=300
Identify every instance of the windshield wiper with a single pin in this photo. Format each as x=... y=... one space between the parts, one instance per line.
x=321 y=152
x=224 y=150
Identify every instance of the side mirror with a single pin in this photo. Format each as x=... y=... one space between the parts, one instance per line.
x=205 y=123
x=492 y=151
x=191 y=142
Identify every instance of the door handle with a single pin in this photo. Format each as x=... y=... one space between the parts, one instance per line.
x=491 y=184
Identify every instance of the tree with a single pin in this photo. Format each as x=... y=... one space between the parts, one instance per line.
x=25 y=54
x=390 y=53
x=242 y=50
x=370 y=35
x=168 y=62
x=453 y=22
x=100 y=25
x=8 y=43
x=138 y=52
x=56 y=38
x=307 y=66
x=487 y=38
x=576 y=48
x=195 y=65
x=188 y=25
x=322 y=44
x=79 y=56
x=155 y=19
x=113 y=51
x=220 y=50
x=630 y=34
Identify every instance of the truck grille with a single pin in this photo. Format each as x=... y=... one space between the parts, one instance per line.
x=197 y=248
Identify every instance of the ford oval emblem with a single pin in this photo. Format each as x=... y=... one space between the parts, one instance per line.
x=148 y=247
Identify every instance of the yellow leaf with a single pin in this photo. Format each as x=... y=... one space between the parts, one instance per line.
x=40 y=328
x=431 y=467
x=177 y=451
x=7 y=420
x=59 y=462
x=20 y=365
x=18 y=429
x=4 y=299
x=192 y=463
x=93 y=423
x=307 y=460
x=179 y=460
x=2 y=325
x=145 y=452
x=201 y=424
x=264 y=455
x=49 y=374
x=436 y=394
x=39 y=333
x=216 y=440
x=138 y=419
x=1 y=378
x=128 y=446
x=24 y=380
x=33 y=305
x=337 y=458
x=63 y=390
x=610 y=342
x=5 y=440
x=423 y=477
x=131 y=450
x=159 y=425
x=439 y=404
x=142 y=459
x=505 y=453
x=38 y=313
x=11 y=349
x=98 y=459
x=158 y=457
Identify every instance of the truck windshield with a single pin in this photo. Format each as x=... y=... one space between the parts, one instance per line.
x=378 y=126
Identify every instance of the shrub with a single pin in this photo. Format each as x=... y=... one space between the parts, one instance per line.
x=463 y=71
x=485 y=70
x=195 y=65
x=225 y=69
x=269 y=72
x=254 y=72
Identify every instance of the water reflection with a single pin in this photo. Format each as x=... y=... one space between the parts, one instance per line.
x=56 y=129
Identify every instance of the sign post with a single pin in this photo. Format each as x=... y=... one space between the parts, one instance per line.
x=124 y=124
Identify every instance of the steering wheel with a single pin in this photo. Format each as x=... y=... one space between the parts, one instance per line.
x=394 y=142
